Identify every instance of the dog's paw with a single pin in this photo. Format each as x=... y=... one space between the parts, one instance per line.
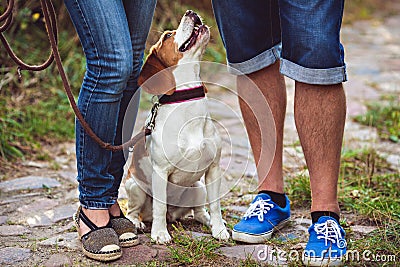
x=137 y=223
x=202 y=216
x=220 y=233
x=160 y=237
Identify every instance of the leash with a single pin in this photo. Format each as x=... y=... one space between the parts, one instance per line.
x=51 y=27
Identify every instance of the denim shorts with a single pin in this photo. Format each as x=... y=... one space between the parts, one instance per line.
x=304 y=35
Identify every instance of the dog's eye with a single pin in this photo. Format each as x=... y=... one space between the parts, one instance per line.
x=166 y=36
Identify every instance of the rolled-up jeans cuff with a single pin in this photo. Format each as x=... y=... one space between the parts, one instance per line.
x=96 y=205
x=262 y=60
x=313 y=76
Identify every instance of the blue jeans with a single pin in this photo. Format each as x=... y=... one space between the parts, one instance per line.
x=304 y=35
x=113 y=34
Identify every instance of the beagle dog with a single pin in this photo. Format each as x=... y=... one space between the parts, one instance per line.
x=165 y=178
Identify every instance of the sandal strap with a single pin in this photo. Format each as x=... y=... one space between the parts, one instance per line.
x=90 y=224
x=121 y=215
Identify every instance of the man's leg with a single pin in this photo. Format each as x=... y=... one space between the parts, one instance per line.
x=320 y=112
x=252 y=41
x=272 y=86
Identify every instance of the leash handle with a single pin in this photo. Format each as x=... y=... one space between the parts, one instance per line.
x=51 y=28
x=7 y=18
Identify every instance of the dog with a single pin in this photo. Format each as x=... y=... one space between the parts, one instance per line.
x=164 y=181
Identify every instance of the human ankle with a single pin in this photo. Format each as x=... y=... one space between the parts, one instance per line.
x=315 y=215
x=115 y=210
x=278 y=198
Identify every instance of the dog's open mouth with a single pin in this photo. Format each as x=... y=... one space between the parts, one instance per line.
x=197 y=28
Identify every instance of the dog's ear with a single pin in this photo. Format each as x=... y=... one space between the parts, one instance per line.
x=154 y=78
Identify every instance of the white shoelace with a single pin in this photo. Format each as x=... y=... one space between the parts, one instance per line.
x=330 y=231
x=258 y=208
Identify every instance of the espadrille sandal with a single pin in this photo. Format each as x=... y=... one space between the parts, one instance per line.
x=101 y=243
x=125 y=230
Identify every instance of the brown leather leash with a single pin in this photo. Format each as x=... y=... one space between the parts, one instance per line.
x=51 y=27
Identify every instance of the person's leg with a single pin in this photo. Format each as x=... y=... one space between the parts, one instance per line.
x=313 y=56
x=320 y=113
x=139 y=15
x=272 y=86
x=251 y=35
x=103 y=30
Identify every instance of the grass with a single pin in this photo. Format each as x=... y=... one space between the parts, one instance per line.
x=188 y=250
x=384 y=117
x=356 y=10
x=369 y=190
x=367 y=186
x=380 y=245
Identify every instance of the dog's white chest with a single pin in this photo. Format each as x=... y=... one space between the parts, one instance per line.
x=185 y=142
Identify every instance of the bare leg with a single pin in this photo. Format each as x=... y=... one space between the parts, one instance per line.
x=272 y=86
x=320 y=113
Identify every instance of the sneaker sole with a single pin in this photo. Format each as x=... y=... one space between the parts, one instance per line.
x=255 y=239
x=314 y=261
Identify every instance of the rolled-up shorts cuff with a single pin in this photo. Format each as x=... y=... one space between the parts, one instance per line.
x=313 y=76
x=262 y=60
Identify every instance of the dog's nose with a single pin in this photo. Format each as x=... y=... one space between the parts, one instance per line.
x=189 y=12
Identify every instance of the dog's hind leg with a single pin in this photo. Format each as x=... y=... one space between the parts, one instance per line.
x=200 y=213
x=213 y=182
x=136 y=200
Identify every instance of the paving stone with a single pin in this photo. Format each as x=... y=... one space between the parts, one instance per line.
x=198 y=235
x=58 y=260
x=357 y=90
x=355 y=108
x=3 y=219
x=363 y=229
x=39 y=220
x=303 y=221
x=11 y=255
x=262 y=253
x=52 y=216
x=38 y=206
x=13 y=230
x=394 y=160
x=65 y=240
x=240 y=209
x=36 y=164
x=143 y=253
x=68 y=176
x=28 y=182
x=62 y=212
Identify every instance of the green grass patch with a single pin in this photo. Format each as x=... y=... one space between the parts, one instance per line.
x=367 y=186
x=385 y=117
x=378 y=248
x=356 y=10
x=188 y=250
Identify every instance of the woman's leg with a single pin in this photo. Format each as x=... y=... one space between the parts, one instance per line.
x=139 y=15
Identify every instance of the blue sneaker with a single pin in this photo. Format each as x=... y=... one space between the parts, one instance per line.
x=326 y=245
x=261 y=219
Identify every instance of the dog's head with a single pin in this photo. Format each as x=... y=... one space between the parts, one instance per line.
x=183 y=45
